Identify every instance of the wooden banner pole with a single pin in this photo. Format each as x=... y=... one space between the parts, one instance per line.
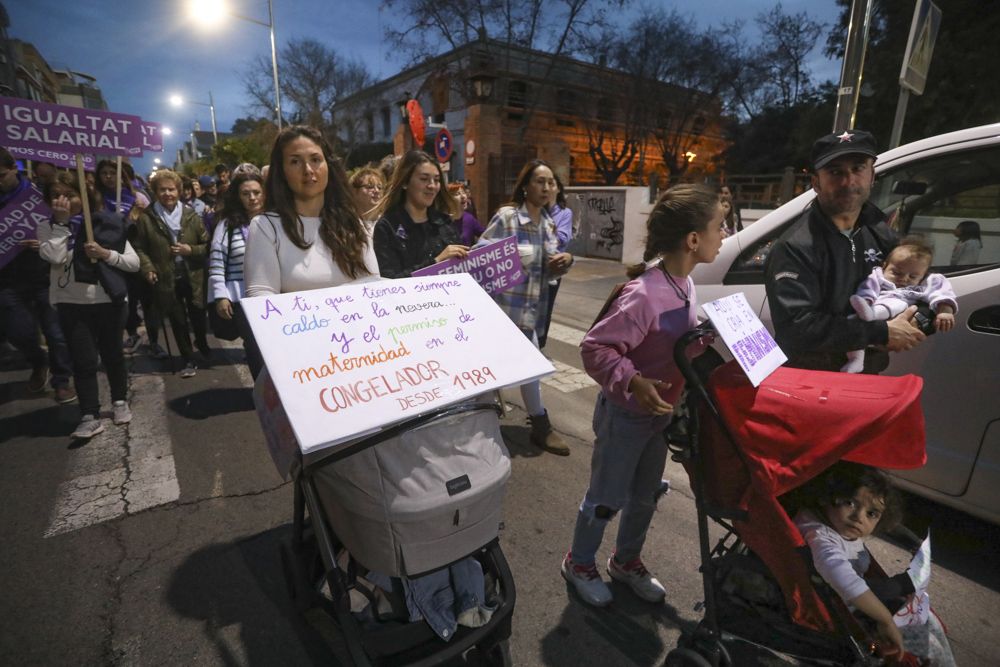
x=118 y=184
x=85 y=198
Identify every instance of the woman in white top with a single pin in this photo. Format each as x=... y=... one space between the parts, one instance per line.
x=312 y=236
x=88 y=289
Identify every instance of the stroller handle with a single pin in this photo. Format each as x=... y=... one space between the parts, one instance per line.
x=704 y=330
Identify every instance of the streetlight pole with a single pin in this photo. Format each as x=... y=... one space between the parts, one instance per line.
x=274 y=62
x=211 y=107
x=274 y=53
x=177 y=101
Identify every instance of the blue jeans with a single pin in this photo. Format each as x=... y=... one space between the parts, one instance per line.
x=22 y=312
x=625 y=471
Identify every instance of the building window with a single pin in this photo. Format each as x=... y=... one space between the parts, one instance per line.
x=698 y=126
x=370 y=126
x=605 y=109
x=517 y=94
x=438 y=118
x=566 y=103
x=386 y=122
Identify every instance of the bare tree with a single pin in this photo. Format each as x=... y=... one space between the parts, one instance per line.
x=313 y=78
x=775 y=74
x=675 y=75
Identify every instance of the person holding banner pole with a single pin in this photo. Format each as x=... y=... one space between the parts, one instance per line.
x=89 y=290
x=414 y=228
x=527 y=218
x=172 y=245
x=311 y=235
x=24 y=302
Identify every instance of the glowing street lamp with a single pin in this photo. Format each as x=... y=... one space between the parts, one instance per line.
x=167 y=131
x=208 y=13
x=156 y=160
x=177 y=100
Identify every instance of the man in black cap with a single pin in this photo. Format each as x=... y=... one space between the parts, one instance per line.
x=819 y=261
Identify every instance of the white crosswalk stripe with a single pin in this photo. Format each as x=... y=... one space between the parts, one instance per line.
x=123 y=470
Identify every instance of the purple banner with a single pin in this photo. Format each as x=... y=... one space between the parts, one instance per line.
x=496 y=267
x=58 y=158
x=28 y=124
x=152 y=136
x=19 y=221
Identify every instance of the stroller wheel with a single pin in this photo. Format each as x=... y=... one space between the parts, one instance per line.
x=685 y=657
x=497 y=655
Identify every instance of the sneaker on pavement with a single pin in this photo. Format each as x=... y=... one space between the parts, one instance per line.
x=587 y=582
x=122 y=414
x=36 y=383
x=65 y=394
x=189 y=371
x=88 y=428
x=635 y=575
x=157 y=351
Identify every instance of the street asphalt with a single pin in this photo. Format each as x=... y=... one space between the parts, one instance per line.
x=157 y=543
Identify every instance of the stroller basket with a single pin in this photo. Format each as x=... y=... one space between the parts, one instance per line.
x=422 y=497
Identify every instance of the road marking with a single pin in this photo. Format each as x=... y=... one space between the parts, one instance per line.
x=565 y=334
x=242 y=370
x=123 y=470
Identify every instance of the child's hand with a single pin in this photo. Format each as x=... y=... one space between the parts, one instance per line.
x=944 y=322
x=891 y=640
x=647 y=395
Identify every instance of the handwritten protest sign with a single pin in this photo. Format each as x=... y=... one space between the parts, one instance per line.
x=40 y=126
x=745 y=336
x=918 y=608
x=19 y=222
x=496 y=267
x=58 y=158
x=349 y=360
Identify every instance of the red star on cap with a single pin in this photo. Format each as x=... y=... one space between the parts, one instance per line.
x=846 y=136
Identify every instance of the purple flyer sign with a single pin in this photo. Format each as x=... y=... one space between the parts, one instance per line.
x=152 y=136
x=28 y=124
x=58 y=158
x=19 y=222
x=496 y=267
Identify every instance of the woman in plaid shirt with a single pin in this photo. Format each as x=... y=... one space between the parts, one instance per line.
x=527 y=219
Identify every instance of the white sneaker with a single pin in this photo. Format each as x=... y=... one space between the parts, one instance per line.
x=587 y=582
x=88 y=428
x=635 y=575
x=122 y=414
x=189 y=371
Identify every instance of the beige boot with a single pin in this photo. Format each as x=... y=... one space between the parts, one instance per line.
x=543 y=436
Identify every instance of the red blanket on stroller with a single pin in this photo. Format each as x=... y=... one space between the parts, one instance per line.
x=788 y=430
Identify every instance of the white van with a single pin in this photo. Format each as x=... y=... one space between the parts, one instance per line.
x=927 y=188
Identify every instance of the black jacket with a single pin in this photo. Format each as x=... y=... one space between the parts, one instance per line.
x=811 y=273
x=403 y=246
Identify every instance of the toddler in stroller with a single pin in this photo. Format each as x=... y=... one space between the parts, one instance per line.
x=842 y=506
x=749 y=447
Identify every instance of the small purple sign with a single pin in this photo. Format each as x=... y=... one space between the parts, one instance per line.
x=19 y=222
x=58 y=158
x=496 y=267
x=28 y=124
x=152 y=136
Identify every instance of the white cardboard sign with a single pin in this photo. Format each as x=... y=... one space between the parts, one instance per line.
x=746 y=336
x=349 y=360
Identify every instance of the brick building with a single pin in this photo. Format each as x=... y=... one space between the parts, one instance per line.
x=505 y=105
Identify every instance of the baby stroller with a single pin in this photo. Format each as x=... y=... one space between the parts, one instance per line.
x=412 y=499
x=748 y=446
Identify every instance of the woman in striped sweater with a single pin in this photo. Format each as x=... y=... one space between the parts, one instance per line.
x=244 y=199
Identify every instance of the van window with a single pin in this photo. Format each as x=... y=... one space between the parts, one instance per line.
x=948 y=200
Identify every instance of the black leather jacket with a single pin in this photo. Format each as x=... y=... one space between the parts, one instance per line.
x=403 y=246
x=811 y=273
